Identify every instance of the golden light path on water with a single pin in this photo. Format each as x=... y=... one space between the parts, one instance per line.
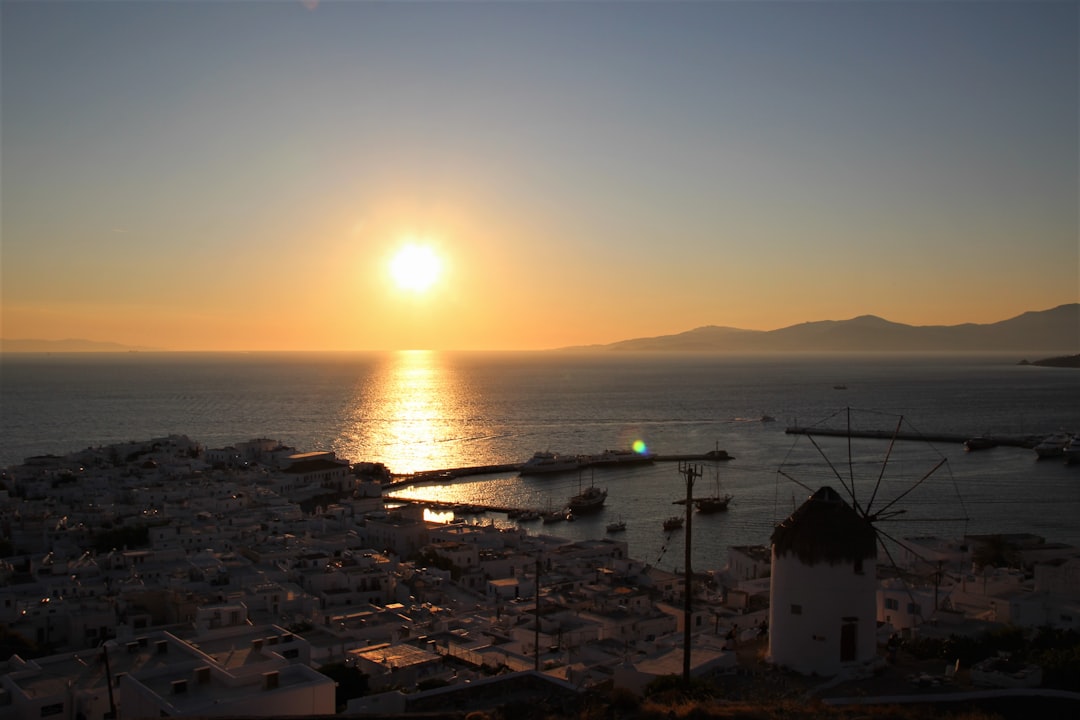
x=406 y=417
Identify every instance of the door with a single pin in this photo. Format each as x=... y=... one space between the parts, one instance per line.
x=849 y=635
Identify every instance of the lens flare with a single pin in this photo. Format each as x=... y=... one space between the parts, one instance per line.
x=639 y=447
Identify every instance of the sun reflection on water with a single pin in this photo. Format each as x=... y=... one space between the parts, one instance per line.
x=407 y=415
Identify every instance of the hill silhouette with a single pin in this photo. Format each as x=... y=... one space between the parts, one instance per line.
x=1047 y=331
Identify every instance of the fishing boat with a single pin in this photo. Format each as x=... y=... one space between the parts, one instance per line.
x=673 y=523
x=616 y=526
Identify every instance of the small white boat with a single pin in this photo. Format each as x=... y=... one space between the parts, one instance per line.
x=616 y=526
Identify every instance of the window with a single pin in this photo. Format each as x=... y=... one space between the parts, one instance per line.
x=858 y=567
x=54 y=709
x=892 y=604
x=914 y=609
x=796 y=609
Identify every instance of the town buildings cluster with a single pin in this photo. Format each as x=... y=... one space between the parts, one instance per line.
x=160 y=578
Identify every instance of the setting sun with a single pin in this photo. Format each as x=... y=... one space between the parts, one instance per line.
x=415 y=268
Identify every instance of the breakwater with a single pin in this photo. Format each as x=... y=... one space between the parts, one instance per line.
x=1021 y=441
x=425 y=476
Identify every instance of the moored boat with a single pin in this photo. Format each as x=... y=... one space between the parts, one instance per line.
x=1052 y=446
x=554 y=516
x=717 y=502
x=1072 y=450
x=616 y=526
x=591 y=499
x=673 y=523
x=980 y=442
x=712 y=504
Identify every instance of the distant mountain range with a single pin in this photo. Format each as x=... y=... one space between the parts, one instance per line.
x=65 y=346
x=1048 y=331
x=1037 y=334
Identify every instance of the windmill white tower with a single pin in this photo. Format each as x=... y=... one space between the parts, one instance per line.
x=822 y=612
x=823 y=607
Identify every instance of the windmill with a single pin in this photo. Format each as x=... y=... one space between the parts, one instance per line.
x=825 y=555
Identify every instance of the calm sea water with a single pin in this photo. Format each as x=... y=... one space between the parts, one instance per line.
x=422 y=411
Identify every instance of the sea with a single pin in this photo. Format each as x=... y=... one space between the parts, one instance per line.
x=419 y=411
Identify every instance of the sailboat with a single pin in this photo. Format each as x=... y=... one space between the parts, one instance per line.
x=717 y=502
x=589 y=500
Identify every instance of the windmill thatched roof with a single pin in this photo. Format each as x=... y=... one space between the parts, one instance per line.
x=825 y=529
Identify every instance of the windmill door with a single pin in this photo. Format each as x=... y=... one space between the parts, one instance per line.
x=849 y=635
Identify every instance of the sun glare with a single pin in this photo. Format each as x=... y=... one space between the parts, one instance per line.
x=415 y=268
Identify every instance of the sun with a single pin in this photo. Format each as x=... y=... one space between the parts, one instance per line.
x=415 y=268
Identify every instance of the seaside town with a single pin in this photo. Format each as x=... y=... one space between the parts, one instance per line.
x=161 y=578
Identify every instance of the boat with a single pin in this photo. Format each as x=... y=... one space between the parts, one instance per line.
x=589 y=500
x=717 y=502
x=673 y=523
x=1053 y=446
x=554 y=516
x=548 y=462
x=767 y=418
x=713 y=503
x=980 y=442
x=616 y=526
x=1072 y=450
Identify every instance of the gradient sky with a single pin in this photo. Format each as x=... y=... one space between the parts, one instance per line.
x=237 y=175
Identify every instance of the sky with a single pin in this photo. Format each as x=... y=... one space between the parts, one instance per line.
x=241 y=175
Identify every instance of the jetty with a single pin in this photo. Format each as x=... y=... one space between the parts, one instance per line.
x=1021 y=441
x=449 y=474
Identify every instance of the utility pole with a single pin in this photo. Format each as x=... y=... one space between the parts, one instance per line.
x=692 y=472
x=536 y=627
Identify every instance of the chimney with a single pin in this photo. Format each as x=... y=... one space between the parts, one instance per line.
x=271 y=680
